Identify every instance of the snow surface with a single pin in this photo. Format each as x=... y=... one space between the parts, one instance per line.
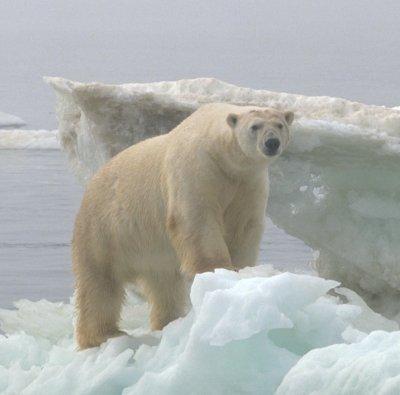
x=337 y=187
x=257 y=331
x=10 y=121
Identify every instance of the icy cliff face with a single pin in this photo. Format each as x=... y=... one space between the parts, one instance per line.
x=248 y=332
x=337 y=187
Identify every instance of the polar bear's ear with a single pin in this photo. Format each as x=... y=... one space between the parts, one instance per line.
x=289 y=116
x=232 y=120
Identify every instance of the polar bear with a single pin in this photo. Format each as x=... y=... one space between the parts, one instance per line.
x=169 y=207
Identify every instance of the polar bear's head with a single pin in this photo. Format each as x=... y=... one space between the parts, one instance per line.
x=262 y=133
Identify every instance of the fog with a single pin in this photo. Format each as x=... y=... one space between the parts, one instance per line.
x=341 y=48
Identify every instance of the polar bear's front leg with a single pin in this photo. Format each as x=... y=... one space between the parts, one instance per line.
x=244 y=221
x=197 y=238
x=167 y=294
x=245 y=244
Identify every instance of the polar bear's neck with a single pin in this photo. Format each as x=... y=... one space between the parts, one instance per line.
x=226 y=153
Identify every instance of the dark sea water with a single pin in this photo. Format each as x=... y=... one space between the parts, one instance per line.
x=39 y=197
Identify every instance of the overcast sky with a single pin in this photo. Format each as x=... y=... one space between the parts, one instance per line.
x=346 y=48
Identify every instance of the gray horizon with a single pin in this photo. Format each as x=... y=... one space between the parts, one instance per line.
x=344 y=49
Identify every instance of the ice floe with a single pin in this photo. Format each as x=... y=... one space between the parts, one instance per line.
x=257 y=331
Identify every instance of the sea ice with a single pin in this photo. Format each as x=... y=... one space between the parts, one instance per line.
x=337 y=187
x=245 y=332
x=29 y=139
x=371 y=366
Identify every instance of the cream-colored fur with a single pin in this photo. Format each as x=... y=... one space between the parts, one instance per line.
x=169 y=207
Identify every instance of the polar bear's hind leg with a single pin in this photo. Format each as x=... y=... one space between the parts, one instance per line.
x=98 y=301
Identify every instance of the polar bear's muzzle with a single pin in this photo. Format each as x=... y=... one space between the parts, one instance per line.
x=271 y=146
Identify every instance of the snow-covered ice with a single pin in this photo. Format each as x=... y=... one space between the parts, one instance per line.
x=10 y=121
x=336 y=188
x=12 y=137
x=257 y=331
x=29 y=139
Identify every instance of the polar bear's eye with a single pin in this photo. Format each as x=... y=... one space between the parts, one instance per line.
x=279 y=125
x=255 y=127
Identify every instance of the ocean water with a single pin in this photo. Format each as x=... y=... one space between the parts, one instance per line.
x=39 y=198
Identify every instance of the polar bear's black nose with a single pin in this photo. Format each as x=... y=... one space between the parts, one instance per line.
x=271 y=146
